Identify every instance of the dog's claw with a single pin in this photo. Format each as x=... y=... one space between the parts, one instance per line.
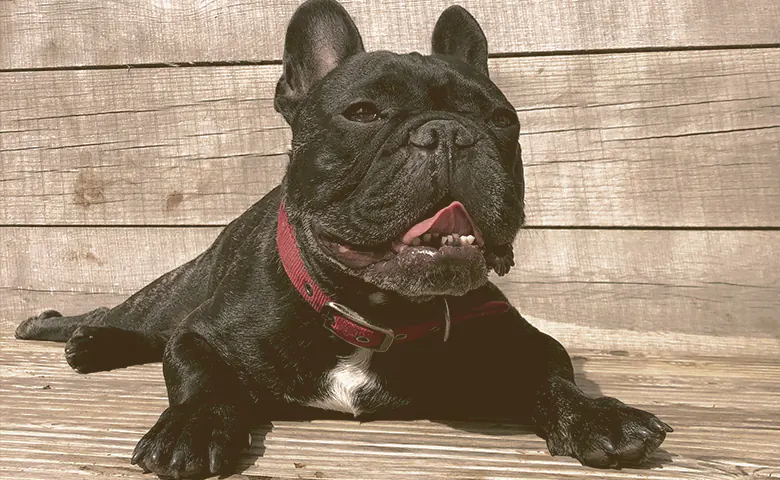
x=177 y=462
x=215 y=460
x=659 y=425
x=643 y=433
x=607 y=446
x=138 y=453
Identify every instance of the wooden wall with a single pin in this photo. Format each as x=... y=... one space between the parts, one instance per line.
x=131 y=131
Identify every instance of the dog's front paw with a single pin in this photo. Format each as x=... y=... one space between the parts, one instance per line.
x=606 y=433
x=94 y=349
x=193 y=441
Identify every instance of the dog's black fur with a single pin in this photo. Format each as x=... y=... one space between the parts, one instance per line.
x=380 y=142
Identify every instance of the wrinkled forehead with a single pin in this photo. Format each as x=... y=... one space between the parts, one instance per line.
x=424 y=80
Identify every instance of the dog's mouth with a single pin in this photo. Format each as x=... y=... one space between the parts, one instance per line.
x=449 y=235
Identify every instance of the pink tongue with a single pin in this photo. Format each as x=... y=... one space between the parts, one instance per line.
x=451 y=219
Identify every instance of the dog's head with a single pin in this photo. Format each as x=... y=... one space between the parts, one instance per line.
x=405 y=170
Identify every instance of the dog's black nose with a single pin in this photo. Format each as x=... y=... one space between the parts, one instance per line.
x=442 y=134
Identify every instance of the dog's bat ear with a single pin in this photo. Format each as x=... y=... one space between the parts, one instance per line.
x=458 y=34
x=320 y=37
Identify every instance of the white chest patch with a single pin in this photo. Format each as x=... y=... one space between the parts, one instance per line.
x=351 y=374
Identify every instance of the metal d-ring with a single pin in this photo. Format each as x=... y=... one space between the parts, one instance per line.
x=387 y=333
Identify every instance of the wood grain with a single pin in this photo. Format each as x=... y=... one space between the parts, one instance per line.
x=66 y=33
x=700 y=292
x=641 y=139
x=56 y=423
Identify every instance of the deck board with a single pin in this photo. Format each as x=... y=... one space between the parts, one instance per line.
x=725 y=411
x=66 y=33
x=657 y=139
x=698 y=292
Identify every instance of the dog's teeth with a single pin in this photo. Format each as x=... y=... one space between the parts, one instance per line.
x=416 y=241
x=435 y=235
x=427 y=237
x=469 y=239
x=443 y=240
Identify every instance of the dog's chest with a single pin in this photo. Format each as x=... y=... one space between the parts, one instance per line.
x=351 y=387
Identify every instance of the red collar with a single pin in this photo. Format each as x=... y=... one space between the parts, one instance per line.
x=346 y=323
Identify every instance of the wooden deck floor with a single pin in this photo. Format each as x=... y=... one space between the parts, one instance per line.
x=57 y=424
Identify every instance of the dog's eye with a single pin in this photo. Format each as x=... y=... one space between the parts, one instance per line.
x=503 y=118
x=363 y=112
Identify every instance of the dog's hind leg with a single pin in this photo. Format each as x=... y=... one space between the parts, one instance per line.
x=137 y=330
x=131 y=333
x=92 y=345
x=93 y=348
x=53 y=327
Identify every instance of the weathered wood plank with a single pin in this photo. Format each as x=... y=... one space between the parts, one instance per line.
x=724 y=410
x=699 y=292
x=66 y=33
x=647 y=139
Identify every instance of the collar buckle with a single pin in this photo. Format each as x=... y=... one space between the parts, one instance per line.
x=353 y=316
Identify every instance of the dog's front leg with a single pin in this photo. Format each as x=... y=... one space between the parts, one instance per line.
x=205 y=427
x=599 y=432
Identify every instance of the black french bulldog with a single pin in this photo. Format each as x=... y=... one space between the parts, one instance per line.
x=404 y=188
